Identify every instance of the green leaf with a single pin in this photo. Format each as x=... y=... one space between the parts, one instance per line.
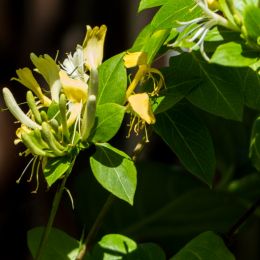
x=178 y=208
x=112 y=81
x=115 y=171
x=251 y=21
x=55 y=168
x=59 y=246
x=150 y=41
x=173 y=12
x=234 y=54
x=217 y=92
x=109 y=119
x=204 y=247
x=250 y=83
x=145 y=4
x=246 y=187
x=116 y=246
x=254 y=150
x=176 y=89
x=155 y=42
x=112 y=247
x=190 y=140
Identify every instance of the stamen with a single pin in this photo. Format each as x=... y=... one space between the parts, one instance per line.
x=25 y=169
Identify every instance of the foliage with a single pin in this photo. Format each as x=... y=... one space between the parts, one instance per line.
x=210 y=87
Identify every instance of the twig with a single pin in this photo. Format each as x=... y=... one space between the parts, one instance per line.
x=54 y=209
x=233 y=230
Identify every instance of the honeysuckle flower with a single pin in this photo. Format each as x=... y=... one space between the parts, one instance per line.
x=139 y=103
x=209 y=19
x=60 y=115
x=93 y=46
x=142 y=113
x=74 y=65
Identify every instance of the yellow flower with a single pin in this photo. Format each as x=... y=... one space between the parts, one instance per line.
x=141 y=113
x=144 y=72
x=93 y=46
x=75 y=90
x=140 y=104
x=133 y=59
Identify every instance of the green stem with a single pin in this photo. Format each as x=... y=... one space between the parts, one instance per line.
x=54 y=209
x=111 y=198
x=97 y=224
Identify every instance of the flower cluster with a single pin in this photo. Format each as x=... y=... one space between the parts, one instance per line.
x=139 y=103
x=61 y=116
x=195 y=31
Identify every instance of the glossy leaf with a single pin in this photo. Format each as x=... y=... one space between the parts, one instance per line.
x=109 y=118
x=176 y=89
x=115 y=171
x=204 y=247
x=150 y=41
x=59 y=245
x=173 y=12
x=217 y=92
x=190 y=140
x=249 y=81
x=145 y=4
x=112 y=81
x=116 y=246
x=55 y=168
x=178 y=208
x=234 y=54
x=251 y=17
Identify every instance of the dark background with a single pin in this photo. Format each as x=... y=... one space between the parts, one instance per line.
x=45 y=26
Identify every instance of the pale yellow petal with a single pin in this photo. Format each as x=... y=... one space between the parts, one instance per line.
x=75 y=90
x=93 y=46
x=75 y=111
x=133 y=59
x=140 y=103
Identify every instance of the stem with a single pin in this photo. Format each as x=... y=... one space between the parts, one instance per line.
x=54 y=209
x=232 y=231
x=96 y=226
x=110 y=200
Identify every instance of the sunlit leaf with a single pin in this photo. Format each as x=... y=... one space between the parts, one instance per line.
x=115 y=171
x=59 y=245
x=204 y=247
x=109 y=118
x=112 y=81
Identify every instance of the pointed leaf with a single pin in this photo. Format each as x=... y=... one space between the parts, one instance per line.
x=115 y=171
x=190 y=140
x=150 y=41
x=109 y=119
x=204 y=247
x=145 y=4
x=112 y=81
x=173 y=12
x=59 y=246
x=234 y=54
x=116 y=246
x=55 y=168
x=218 y=92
